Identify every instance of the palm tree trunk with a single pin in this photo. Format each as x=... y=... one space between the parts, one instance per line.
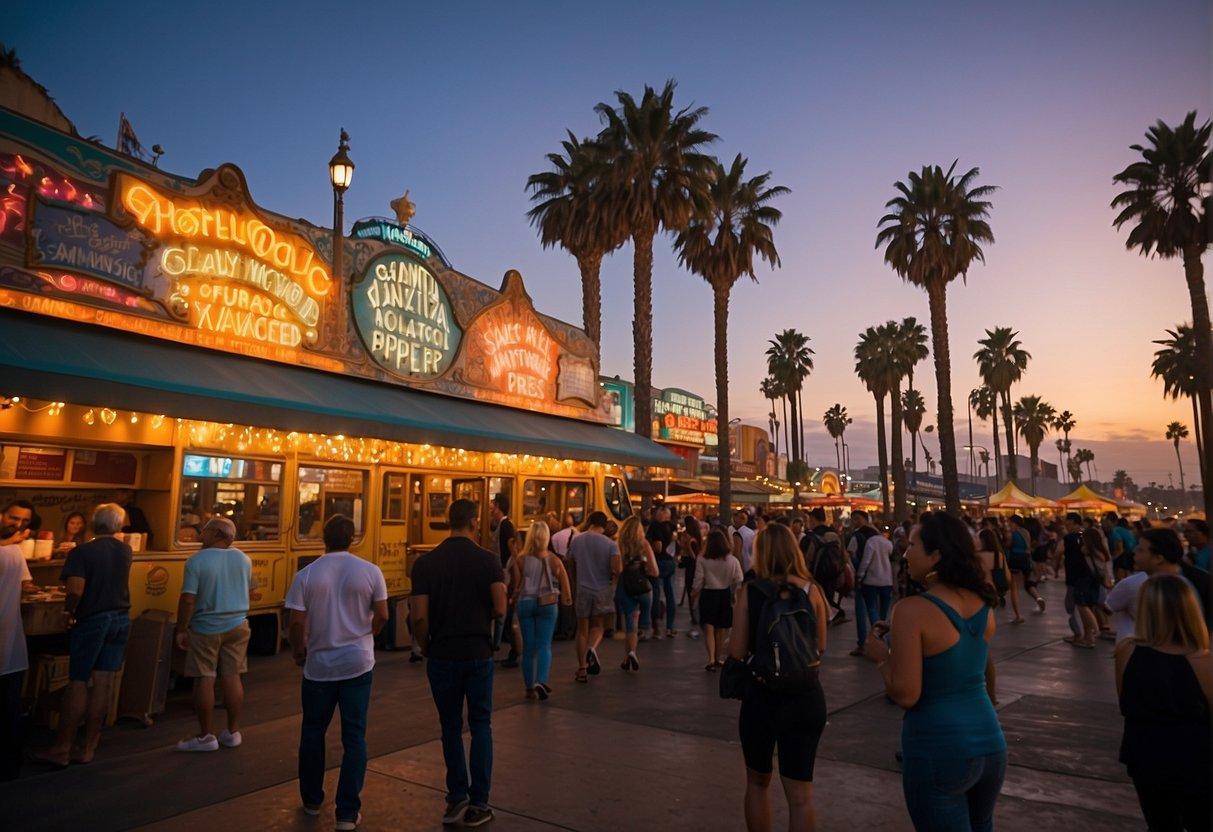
x=642 y=331
x=898 y=458
x=1009 y=426
x=1061 y=464
x=914 y=468
x=800 y=411
x=796 y=452
x=837 y=454
x=882 y=454
x=997 y=446
x=1068 y=454
x=787 y=445
x=1182 y=485
x=1194 y=272
x=970 y=409
x=591 y=297
x=1035 y=450
x=720 y=315
x=938 y=301
x=1200 y=447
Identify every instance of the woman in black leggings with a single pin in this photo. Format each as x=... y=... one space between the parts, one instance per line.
x=770 y=720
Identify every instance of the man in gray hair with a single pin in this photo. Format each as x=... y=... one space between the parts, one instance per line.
x=212 y=627
x=97 y=576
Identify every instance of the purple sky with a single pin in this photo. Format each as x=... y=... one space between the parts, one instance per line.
x=459 y=102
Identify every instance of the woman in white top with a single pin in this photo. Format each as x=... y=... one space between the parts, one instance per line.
x=717 y=576
x=539 y=583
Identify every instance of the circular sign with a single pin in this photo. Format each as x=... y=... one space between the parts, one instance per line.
x=404 y=317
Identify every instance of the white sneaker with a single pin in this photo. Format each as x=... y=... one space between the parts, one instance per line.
x=229 y=739
x=348 y=825
x=207 y=743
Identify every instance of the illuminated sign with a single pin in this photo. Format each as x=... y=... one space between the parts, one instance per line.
x=386 y=231
x=71 y=238
x=680 y=416
x=404 y=317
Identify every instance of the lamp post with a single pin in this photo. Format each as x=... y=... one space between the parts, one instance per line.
x=970 y=449
x=341 y=171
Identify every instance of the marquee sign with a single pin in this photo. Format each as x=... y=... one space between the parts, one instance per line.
x=90 y=235
x=683 y=417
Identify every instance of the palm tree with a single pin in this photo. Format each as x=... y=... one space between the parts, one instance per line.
x=913 y=408
x=836 y=420
x=1177 y=431
x=574 y=211
x=769 y=388
x=895 y=365
x=1167 y=201
x=1084 y=456
x=984 y=402
x=790 y=359
x=658 y=181
x=1065 y=422
x=1034 y=418
x=984 y=457
x=871 y=365
x=932 y=234
x=721 y=246
x=1175 y=364
x=1074 y=469
x=1001 y=361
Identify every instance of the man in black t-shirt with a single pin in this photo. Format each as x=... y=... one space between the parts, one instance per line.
x=458 y=592
x=507 y=547
x=660 y=534
x=1077 y=569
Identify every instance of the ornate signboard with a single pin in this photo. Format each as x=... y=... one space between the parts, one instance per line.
x=683 y=417
x=90 y=235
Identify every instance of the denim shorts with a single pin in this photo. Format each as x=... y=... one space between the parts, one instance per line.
x=629 y=606
x=98 y=643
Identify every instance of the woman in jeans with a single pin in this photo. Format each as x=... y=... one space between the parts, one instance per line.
x=638 y=559
x=716 y=580
x=769 y=720
x=1164 y=678
x=954 y=753
x=540 y=586
x=689 y=542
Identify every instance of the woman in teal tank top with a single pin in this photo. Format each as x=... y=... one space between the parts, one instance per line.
x=954 y=753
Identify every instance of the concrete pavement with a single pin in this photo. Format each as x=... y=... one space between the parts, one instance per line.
x=656 y=750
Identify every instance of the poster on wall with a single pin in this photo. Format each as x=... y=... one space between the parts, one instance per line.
x=41 y=464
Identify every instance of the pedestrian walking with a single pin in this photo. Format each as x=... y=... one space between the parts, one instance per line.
x=1164 y=680
x=780 y=622
x=97 y=576
x=213 y=630
x=596 y=563
x=634 y=594
x=660 y=535
x=872 y=555
x=743 y=541
x=822 y=548
x=458 y=592
x=507 y=547
x=689 y=544
x=717 y=577
x=1082 y=584
x=1019 y=560
x=541 y=588
x=15 y=580
x=934 y=666
x=338 y=605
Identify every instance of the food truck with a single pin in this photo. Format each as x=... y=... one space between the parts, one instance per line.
x=168 y=344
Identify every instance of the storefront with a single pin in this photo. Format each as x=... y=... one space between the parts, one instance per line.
x=166 y=342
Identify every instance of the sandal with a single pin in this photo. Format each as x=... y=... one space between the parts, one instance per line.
x=710 y=666
x=581 y=676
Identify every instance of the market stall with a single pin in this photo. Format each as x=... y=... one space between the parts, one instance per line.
x=1086 y=500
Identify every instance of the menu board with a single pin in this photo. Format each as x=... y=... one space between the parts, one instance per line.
x=41 y=464
x=114 y=468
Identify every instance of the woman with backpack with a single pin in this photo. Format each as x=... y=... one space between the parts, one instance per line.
x=634 y=593
x=954 y=755
x=540 y=586
x=779 y=633
x=716 y=580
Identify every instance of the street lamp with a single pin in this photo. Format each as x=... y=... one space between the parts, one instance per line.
x=341 y=172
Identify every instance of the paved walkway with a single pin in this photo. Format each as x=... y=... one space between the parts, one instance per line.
x=656 y=750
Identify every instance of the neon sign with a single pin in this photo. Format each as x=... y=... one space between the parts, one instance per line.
x=520 y=356
x=404 y=317
x=389 y=232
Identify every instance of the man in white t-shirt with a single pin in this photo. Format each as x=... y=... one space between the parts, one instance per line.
x=871 y=554
x=14 y=579
x=743 y=540
x=338 y=605
x=562 y=539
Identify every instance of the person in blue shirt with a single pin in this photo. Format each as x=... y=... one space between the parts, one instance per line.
x=212 y=627
x=1121 y=543
x=1197 y=533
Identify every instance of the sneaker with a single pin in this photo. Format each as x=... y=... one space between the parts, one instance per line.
x=312 y=809
x=1040 y=602
x=230 y=739
x=693 y=634
x=671 y=633
x=207 y=743
x=509 y=663
x=348 y=825
x=416 y=657
x=454 y=812
x=477 y=816
x=858 y=651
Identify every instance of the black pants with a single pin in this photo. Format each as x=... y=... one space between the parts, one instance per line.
x=10 y=725
x=1170 y=807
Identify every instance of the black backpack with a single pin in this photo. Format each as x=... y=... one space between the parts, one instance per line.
x=786 y=655
x=635 y=581
x=826 y=557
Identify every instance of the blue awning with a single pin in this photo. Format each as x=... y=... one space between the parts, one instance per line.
x=56 y=360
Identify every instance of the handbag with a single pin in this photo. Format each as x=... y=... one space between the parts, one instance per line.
x=734 y=678
x=546 y=599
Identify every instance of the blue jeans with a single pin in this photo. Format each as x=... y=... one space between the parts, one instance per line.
x=953 y=795
x=538 y=626
x=319 y=701
x=871 y=605
x=451 y=682
x=633 y=610
x=664 y=582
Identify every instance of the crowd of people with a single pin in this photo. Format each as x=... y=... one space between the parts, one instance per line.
x=761 y=591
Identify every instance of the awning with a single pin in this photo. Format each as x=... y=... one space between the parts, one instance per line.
x=56 y=360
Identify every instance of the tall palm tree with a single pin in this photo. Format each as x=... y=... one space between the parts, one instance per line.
x=574 y=211
x=1177 y=431
x=1085 y=456
x=790 y=359
x=871 y=365
x=721 y=245
x=836 y=420
x=1033 y=418
x=913 y=408
x=1062 y=450
x=1001 y=361
x=1074 y=469
x=984 y=402
x=1065 y=422
x=1175 y=364
x=658 y=181
x=913 y=346
x=1167 y=202
x=896 y=366
x=769 y=388
x=932 y=234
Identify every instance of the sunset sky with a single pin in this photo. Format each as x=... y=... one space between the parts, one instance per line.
x=458 y=102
